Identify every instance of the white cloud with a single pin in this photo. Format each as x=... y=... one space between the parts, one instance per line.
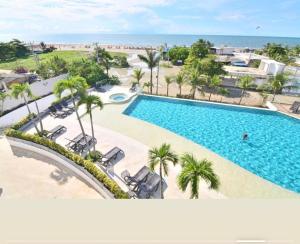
x=231 y=16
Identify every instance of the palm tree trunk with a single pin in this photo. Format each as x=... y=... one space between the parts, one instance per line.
x=151 y=84
x=180 y=90
x=29 y=112
x=167 y=90
x=39 y=117
x=209 y=96
x=79 y=120
x=194 y=93
x=92 y=127
x=161 y=181
x=157 y=78
x=241 y=97
x=274 y=94
x=2 y=107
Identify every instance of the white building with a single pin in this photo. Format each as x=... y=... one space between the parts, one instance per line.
x=271 y=67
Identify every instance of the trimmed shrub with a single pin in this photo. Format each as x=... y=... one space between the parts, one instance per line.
x=24 y=121
x=94 y=156
x=88 y=165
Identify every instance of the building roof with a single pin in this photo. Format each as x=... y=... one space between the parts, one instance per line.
x=241 y=71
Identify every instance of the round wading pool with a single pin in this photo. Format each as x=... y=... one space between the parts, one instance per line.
x=118 y=97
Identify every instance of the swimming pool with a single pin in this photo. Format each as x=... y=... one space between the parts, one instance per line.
x=272 y=150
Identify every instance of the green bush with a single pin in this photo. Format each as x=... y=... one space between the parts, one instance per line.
x=94 y=156
x=86 y=164
x=24 y=121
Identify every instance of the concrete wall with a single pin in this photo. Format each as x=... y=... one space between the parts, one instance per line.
x=79 y=171
x=39 y=88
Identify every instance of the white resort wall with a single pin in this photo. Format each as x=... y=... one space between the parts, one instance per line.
x=39 y=89
x=65 y=162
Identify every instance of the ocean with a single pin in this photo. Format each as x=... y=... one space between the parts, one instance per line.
x=171 y=40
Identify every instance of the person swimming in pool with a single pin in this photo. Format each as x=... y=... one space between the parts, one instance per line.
x=245 y=136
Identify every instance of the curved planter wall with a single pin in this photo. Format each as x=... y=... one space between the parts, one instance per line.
x=81 y=172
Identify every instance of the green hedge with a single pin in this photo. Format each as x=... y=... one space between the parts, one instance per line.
x=24 y=121
x=86 y=164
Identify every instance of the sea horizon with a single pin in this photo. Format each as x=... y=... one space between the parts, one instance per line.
x=239 y=41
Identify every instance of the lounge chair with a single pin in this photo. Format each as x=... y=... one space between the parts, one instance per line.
x=138 y=178
x=56 y=131
x=111 y=155
x=78 y=144
x=151 y=185
x=295 y=107
x=64 y=109
x=67 y=105
x=57 y=113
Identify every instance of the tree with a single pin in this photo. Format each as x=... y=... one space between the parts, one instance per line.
x=58 y=66
x=245 y=83
x=195 y=80
x=264 y=95
x=138 y=75
x=160 y=157
x=278 y=52
x=152 y=60
x=168 y=80
x=193 y=171
x=277 y=83
x=199 y=50
x=148 y=85
x=3 y=96
x=214 y=82
x=223 y=92
x=22 y=90
x=178 y=53
x=43 y=70
x=87 y=69
x=103 y=58
x=208 y=66
x=74 y=85
x=180 y=80
x=89 y=101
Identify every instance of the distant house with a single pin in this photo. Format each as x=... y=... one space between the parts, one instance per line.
x=271 y=67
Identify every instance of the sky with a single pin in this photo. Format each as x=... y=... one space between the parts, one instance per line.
x=217 y=17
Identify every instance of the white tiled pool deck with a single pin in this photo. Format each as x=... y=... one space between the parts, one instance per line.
x=135 y=137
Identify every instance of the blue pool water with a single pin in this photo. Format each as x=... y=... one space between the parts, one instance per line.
x=271 y=152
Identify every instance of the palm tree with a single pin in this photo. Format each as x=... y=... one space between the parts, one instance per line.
x=245 y=83
x=168 y=80
x=73 y=85
x=223 y=92
x=138 y=75
x=264 y=97
x=148 y=85
x=214 y=82
x=23 y=90
x=195 y=80
x=193 y=171
x=180 y=80
x=277 y=83
x=89 y=101
x=161 y=156
x=3 y=96
x=152 y=60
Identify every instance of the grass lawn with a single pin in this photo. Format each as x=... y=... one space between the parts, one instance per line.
x=30 y=62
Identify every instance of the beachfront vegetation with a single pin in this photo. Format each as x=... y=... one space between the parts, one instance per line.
x=223 y=92
x=88 y=165
x=199 y=50
x=3 y=96
x=177 y=54
x=90 y=102
x=73 y=85
x=245 y=82
x=53 y=67
x=138 y=75
x=12 y=50
x=180 y=79
x=23 y=91
x=193 y=171
x=161 y=156
x=169 y=80
x=277 y=83
x=213 y=83
x=87 y=69
x=196 y=80
x=152 y=60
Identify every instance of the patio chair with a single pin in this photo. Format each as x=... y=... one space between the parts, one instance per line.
x=295 y=107
x=56 y=131
x=138 y=178
x=111 y=155
x=56 y=113
x=151 y=185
